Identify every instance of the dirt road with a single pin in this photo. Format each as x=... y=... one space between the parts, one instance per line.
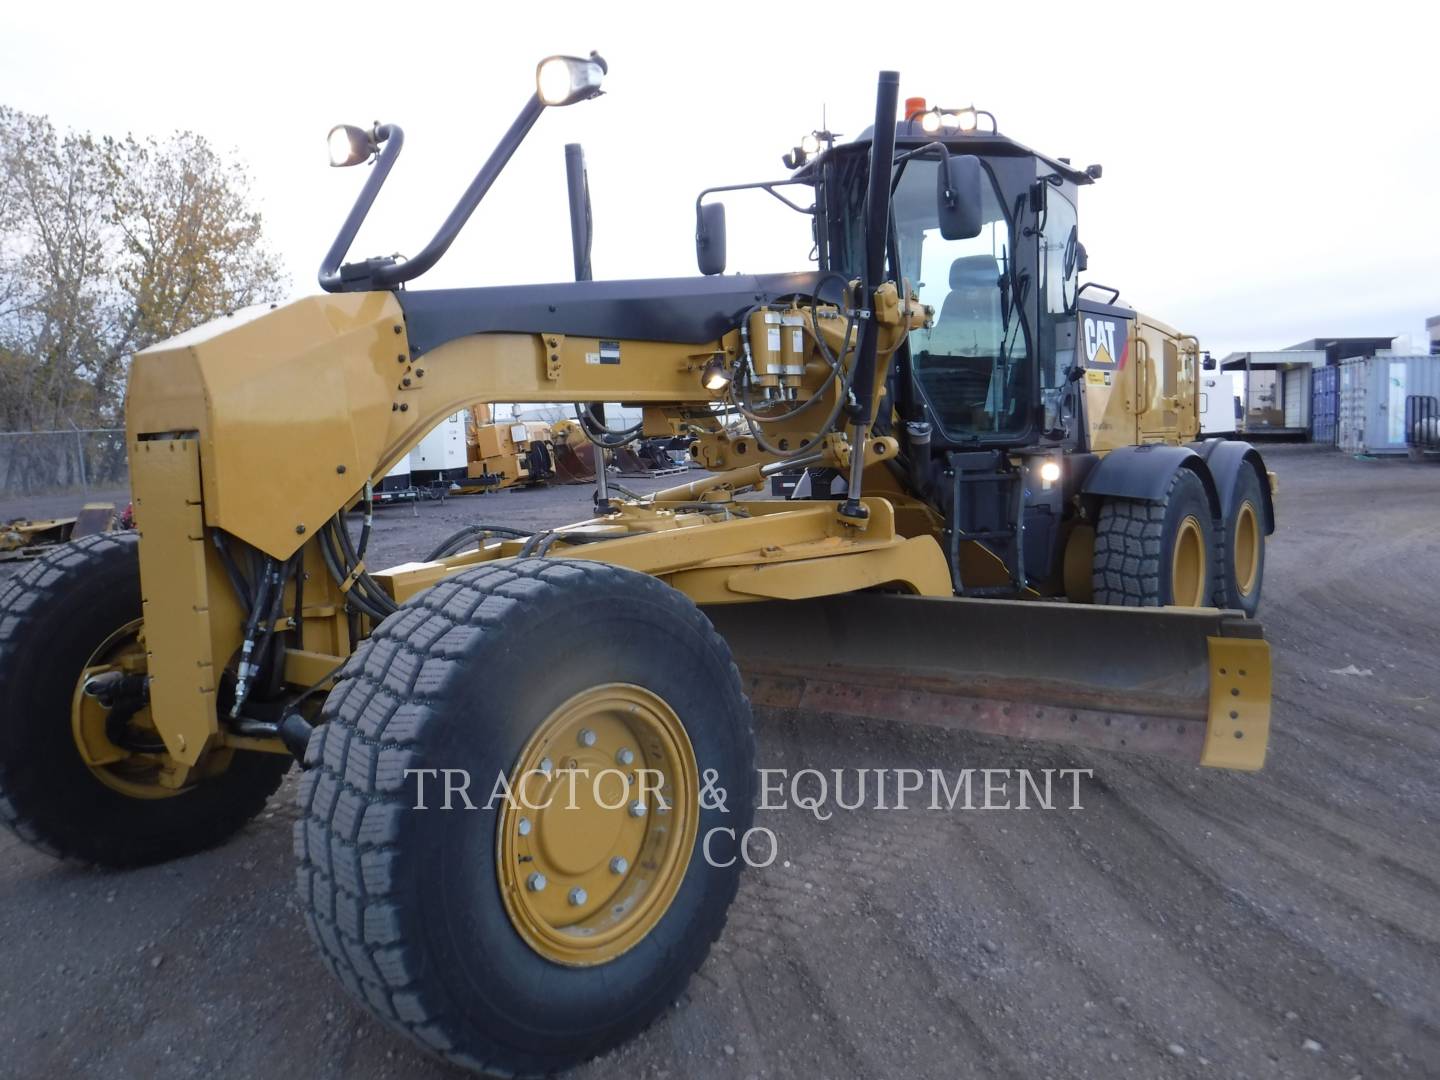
x=1184 y=923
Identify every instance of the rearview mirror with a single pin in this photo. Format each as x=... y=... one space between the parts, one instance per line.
x=710 y=238
x=958 y=199
x=1207 y=362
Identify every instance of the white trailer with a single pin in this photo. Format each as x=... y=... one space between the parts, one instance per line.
x=440 y=456
x=1221 y=396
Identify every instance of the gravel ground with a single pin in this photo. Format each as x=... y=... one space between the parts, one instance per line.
x=1185 y=923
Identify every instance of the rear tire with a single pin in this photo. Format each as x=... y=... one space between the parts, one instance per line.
x=1155 y=554
x=1243 y=552
x=412 y=908
x=53 y=617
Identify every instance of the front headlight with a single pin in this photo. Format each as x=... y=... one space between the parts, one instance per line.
x=564 y=80
x=350 y=145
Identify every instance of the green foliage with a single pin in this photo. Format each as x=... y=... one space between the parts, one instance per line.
x=107 y=246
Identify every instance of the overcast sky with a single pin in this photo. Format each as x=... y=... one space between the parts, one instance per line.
x=1272 y=171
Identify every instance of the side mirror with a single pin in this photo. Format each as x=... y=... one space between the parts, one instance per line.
x=710 y=238
x=959 y=203
x=1207 y=362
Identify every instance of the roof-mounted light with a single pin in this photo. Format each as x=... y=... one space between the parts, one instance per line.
x=933 y=121
x=811 y=144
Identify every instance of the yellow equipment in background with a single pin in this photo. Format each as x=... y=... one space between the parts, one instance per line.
x=1003 y=528
x=502 y=454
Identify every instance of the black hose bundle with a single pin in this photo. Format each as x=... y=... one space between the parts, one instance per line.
x=602 y=436
x=364 y=594
x=452 y=544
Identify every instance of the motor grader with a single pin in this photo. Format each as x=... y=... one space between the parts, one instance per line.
x=1003 y=529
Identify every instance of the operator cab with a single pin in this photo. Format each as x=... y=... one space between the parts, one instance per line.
x=991 y=370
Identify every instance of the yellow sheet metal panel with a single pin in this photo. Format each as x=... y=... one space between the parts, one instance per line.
x=1239 y=728
x=293 y=407
x=165 y=482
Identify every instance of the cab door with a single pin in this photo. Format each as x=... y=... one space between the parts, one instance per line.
x=1165 y=384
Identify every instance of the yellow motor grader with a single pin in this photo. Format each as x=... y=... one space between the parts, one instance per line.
x=1002 y=527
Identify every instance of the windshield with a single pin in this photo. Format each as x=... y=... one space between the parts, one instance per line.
x=970 y=364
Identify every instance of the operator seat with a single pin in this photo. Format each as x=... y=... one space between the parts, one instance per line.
x=956 y=365
x=969 y=321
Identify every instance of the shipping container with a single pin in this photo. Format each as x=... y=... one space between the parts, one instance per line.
x=1373 y=393
x=1324 y=404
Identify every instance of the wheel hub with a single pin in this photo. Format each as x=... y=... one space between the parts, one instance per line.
x=139 y=774
x=1188 y=567
x=597 y=837
x=1247 y=549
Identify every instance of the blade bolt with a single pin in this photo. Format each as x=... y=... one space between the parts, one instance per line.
x=637 y=809
x=535 y=882
x=577 y=897
x=618 y=865
x=587 y=737
x=625 y=756
x=524 y=826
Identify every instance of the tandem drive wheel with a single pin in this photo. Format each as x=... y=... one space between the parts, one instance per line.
x=580 y=721
x=1153 y=554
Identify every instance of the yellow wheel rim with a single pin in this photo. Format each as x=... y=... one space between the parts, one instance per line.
x=1188 y=565
x=131 y=773
x=1247 y=548
x=597 y=834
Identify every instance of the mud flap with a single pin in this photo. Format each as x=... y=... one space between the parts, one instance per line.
x=1187 y=683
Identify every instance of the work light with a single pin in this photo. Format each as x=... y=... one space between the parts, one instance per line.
x=350 y=145
x=713 y=376
x=564 y=80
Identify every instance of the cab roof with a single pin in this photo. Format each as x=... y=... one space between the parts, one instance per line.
x=909 y=135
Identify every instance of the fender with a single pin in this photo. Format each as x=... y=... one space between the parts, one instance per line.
x=1145 y=472
x=1225 y=459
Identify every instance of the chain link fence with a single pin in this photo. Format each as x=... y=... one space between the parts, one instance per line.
x=78 y=462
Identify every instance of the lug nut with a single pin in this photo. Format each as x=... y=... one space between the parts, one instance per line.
x=618 y=865
x=625 y=756
x=587 y=737
x=577 y=897
x=524 y=826
x=637 y=809
x=535 y=882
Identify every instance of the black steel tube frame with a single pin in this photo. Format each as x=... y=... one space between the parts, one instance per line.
x=393 y=140
x=386 y=275
x=577 y=186
x=877 y=229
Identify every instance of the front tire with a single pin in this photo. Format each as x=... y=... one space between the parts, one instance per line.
x=433 y=918
x=65 y=613
x=1156 y=554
